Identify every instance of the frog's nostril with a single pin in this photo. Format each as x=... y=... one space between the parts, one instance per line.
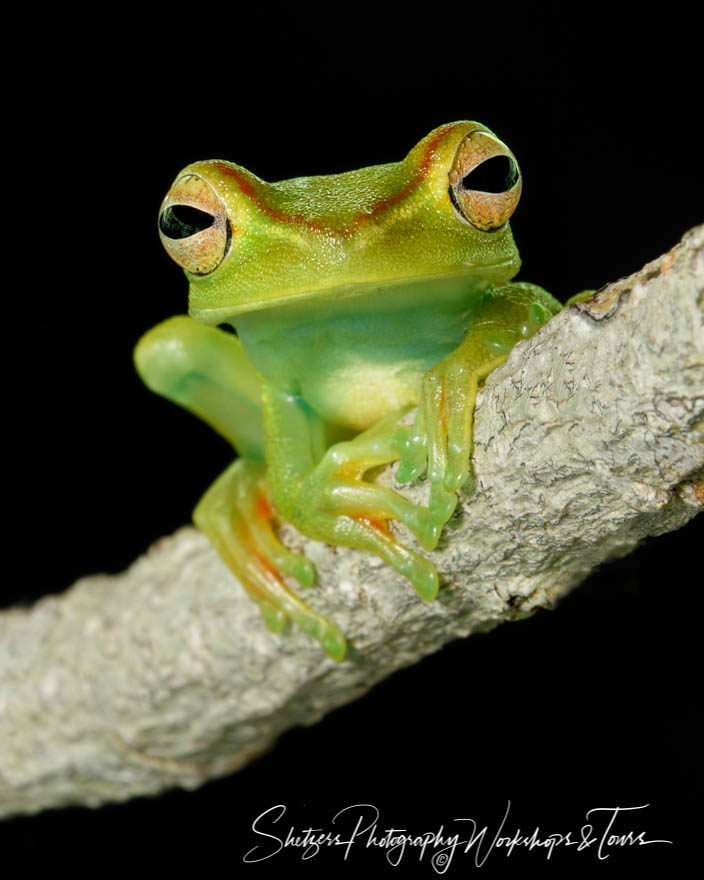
x=495 y=175
x=183 y=221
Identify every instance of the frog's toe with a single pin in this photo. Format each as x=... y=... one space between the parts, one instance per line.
x=580 y=297
x=412 y=451
x=275 y=620
x=429 y=536
x=334 y=644
x=410 y=470
x=424 y=578
x=442 y=504
x=268 y=547
x=459 y=447
x=457 y=469
x=375 y=538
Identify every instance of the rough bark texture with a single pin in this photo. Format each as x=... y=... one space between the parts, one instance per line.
x=589 y=438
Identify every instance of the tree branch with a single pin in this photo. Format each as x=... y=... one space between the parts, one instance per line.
x=588 y=439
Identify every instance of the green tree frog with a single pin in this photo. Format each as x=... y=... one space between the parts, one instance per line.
x=355 y=297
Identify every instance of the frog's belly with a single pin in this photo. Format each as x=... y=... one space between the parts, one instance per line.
x=354 y=360
x=357 y=396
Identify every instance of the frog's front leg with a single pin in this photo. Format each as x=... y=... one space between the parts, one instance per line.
x=325 y=496
x=207 y=371
x=440 y=440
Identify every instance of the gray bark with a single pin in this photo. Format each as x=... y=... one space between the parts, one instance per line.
x=589 y=439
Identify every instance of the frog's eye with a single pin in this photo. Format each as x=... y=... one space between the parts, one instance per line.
x=485 y=182
x=193 y=225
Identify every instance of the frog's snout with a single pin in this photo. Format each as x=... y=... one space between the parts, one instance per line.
x=193 y=225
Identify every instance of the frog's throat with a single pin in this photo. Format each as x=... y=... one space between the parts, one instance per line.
x=490 y=275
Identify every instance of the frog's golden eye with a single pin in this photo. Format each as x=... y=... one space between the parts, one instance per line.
x=193 y=225
x=485 y=182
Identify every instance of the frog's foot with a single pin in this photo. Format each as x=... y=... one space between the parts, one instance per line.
x=336 y=505
x=440 y=439
x=236 y=515
x=580 y=297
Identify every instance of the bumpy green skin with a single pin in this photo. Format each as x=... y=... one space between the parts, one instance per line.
x=355 y=297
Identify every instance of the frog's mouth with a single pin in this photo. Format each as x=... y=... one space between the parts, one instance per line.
x=463 y=282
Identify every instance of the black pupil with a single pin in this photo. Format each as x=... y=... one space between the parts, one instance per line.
x=183 y=221
x=495 y=175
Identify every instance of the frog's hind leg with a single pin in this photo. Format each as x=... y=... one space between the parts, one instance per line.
x=236 y=515
x=206 y=371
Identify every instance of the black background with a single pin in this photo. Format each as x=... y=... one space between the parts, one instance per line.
x=587 y=706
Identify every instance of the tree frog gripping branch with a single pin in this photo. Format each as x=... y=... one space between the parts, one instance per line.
x=355 y=297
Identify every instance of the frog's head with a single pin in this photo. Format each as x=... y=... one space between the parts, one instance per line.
x=442 y=212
